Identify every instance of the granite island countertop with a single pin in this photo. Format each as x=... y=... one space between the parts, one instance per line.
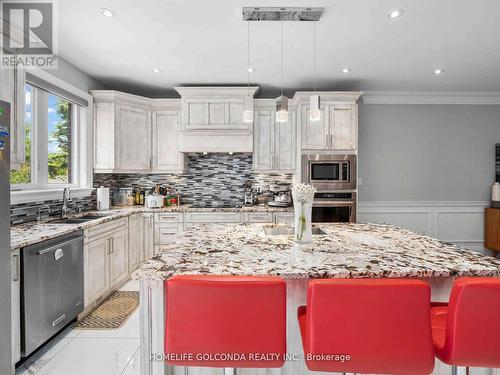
x=34 y=232
x=345 y=250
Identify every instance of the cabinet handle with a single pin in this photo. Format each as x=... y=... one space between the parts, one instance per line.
x=15 y=258
x=331 y=140
x=112 y=245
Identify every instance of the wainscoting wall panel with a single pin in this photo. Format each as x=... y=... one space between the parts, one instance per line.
x=457 y=222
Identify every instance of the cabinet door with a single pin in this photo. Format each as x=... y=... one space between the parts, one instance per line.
x=16 y=305
x=314 y=133
x=118 y=258
x=134 y=242
x=147 y=236
x=263 y=140
x=342 y=127
x=166 y=155
x=104 y=129
x=133 y=138
x=96 y=269
x=285 y=144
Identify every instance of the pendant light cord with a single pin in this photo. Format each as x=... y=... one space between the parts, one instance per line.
x=282 y=58
x=314 y=56
x=248 y=58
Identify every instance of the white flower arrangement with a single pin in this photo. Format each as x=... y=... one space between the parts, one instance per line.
x=303 y=193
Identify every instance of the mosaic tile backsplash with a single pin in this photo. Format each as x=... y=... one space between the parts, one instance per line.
x=24 y=212
x=210 y=180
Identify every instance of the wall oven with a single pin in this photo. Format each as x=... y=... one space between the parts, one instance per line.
x=329 y=172
x=334 y=208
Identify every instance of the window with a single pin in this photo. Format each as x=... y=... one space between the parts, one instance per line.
x=50 y=124
x=57 y=140
x=60 y=129
x=23 y=174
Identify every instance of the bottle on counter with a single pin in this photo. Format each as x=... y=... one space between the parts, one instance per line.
x=142 y=197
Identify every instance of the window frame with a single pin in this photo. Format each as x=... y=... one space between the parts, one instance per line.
x=40 y=189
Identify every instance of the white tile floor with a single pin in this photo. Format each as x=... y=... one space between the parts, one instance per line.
x=88 y=352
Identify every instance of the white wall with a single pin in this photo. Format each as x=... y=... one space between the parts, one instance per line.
x=428 y=168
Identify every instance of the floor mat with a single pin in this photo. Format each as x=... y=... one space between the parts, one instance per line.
x=112 y=313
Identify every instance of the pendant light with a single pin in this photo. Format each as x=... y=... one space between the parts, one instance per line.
x=248 y=112
x=314 y=100
x=282 y=100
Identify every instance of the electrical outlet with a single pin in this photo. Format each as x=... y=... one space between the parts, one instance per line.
x=360 y=181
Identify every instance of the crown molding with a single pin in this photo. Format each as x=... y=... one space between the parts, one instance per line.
x=351 y=96
x=216 y=91
x=432 y=97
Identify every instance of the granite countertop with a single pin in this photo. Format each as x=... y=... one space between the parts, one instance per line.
x=33 y=232
x=346 y=250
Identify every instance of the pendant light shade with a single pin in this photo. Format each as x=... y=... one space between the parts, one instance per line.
x=248 y=112
x=314 y=101
x=282 y=109
x=314 y=105
x=282 y=100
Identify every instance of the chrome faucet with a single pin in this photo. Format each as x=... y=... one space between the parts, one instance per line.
x=43 y=207
x=66 y=200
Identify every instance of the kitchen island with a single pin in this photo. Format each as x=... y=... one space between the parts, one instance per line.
x=338 y=250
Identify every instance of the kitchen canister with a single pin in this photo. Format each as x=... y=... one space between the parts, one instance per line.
x=495 y=195
x=102 y=198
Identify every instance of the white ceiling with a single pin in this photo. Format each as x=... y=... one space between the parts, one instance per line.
x=202 y=42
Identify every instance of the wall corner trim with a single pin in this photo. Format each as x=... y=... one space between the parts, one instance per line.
x=432 y=97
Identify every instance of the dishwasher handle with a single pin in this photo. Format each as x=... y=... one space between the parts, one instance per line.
x=58 y=246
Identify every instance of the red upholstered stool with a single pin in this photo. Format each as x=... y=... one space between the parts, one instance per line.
x=383 y=325
x=466 y=331
x=225 y=321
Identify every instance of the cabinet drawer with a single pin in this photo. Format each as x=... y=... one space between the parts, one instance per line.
x=259 y=217
x=165 y=235
x=168 y=218
x=213 y=217
x=284 y=218
x=103 y=230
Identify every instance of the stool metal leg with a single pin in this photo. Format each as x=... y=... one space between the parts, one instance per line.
x=229 y=371
x=454 y=370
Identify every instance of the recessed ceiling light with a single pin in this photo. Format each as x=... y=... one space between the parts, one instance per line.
x=251 y=70
x=345 y=70
x=438 y=71
x=395 y=13
x=156 y=70
x=107 y=12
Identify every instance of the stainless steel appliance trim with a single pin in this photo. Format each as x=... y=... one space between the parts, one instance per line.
x=59 y=320
x=325 y=186
x=59 y=245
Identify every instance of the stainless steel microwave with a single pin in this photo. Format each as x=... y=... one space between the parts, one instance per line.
x=329 y=172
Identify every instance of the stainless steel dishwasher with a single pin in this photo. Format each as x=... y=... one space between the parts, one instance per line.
x=52 y=288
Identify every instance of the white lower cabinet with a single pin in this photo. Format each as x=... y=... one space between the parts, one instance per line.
x=146 y=234
x=106 y=259
x=284 y=217
x=203 y=217
x=134 y=242
x=118 y=257
x=258 y=217
x=16 y=305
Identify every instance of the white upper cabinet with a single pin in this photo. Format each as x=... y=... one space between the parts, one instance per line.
x=337 y=130
x=212 y=119
x=275 y=143
x=136 y=135
x=166 y=124
x=132 y=138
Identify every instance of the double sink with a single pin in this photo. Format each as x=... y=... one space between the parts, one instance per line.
x=79 y=219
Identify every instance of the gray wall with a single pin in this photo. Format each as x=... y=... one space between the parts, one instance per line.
x=71 y=74
x=427 y=152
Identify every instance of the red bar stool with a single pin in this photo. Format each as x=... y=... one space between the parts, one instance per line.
x=225 y=321
x=383 y=325
x=466 y=331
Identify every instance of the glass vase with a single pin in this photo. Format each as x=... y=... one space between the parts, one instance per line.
x=303 y=222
